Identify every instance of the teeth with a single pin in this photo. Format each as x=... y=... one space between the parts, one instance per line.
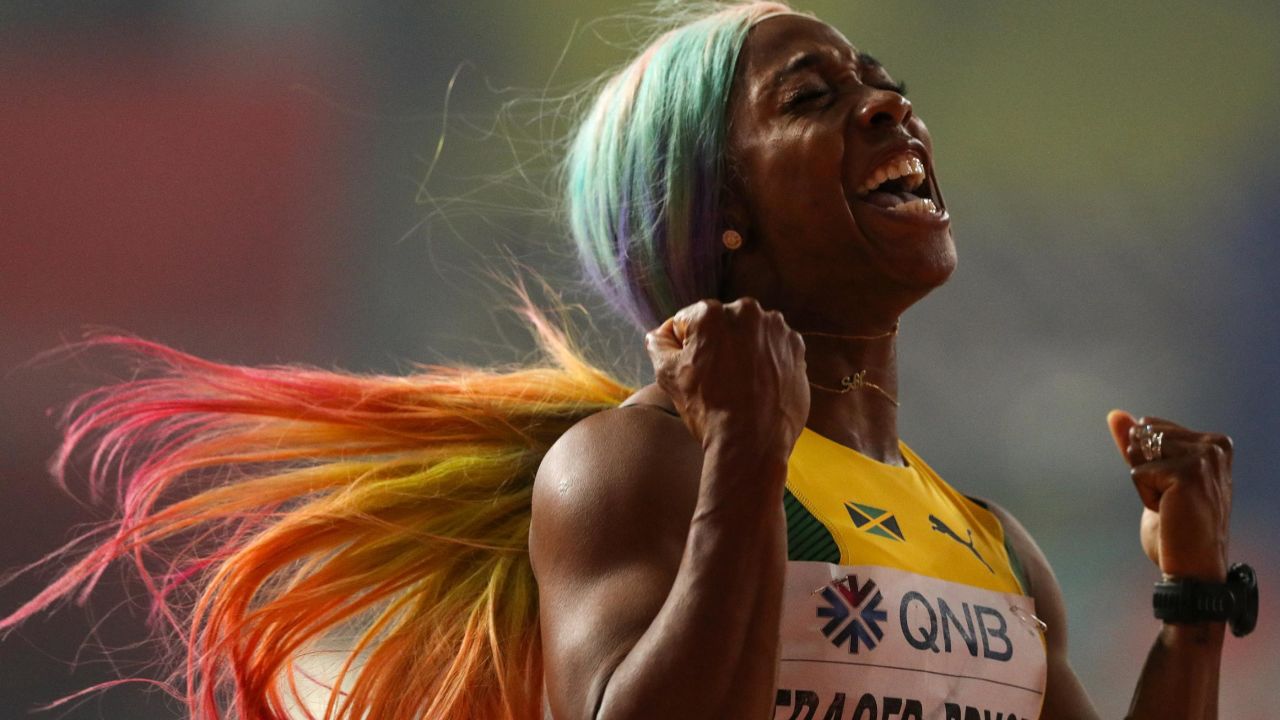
x=908 y=167
x=919 y=206
x=914 y=174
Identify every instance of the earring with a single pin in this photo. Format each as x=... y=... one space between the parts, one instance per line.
x=731 y=239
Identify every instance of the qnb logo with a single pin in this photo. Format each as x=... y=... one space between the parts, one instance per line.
x=922 y=625
x=854 y=612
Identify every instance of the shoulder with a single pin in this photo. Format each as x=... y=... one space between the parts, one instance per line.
x=653 y=395
x=643 y=433
x=620 y=478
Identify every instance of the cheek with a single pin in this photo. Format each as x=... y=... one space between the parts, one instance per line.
x=801 y=208
x=799 y=168
x=792 y=179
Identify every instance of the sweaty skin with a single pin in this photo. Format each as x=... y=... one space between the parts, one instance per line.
x=659 y=542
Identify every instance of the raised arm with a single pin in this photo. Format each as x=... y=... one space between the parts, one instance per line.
x=1185 y=486
x=660 y=545
x=1186 y=494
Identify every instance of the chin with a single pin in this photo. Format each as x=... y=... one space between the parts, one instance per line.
x=928 y=266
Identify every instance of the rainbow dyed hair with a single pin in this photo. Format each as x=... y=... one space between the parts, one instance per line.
x=342 y=546
x=332 y=545
x=645 y=171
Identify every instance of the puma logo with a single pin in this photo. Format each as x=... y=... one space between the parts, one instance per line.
x=941 y=527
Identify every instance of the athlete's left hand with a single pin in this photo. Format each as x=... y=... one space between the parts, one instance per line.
x=1186 y=495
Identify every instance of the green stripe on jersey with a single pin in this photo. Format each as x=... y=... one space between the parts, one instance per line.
x=807 y=539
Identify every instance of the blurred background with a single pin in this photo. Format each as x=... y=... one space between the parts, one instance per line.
x=264 y=182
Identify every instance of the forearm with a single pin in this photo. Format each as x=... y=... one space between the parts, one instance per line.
x=1180 y=677
x=713 y=645
x=762 y=641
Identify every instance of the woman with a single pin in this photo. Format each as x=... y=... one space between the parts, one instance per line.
x=746 y=536
x=663 y=575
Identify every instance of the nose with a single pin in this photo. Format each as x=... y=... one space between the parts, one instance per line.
x=881 y=108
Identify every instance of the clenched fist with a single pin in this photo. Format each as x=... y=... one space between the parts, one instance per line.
x=1186 y=494
x=736 y=373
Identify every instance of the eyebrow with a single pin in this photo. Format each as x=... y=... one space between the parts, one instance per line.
x=797 y=64
x=865 y=60
x=814 y=58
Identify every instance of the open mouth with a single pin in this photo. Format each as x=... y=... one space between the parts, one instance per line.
x=901 y=185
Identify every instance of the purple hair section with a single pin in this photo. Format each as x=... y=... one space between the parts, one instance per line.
x=646 y=167
x=705 y=251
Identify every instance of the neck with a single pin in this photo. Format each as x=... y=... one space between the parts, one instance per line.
x=862 y=419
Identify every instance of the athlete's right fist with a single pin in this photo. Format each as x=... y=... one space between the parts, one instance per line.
x=736 y=373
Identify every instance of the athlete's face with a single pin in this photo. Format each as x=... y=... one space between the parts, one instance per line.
x=830 y=177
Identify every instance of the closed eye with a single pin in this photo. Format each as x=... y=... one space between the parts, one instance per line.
x=805 y=94
x=872 y=65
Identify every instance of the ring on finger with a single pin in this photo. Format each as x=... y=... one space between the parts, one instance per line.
x=1151 y=443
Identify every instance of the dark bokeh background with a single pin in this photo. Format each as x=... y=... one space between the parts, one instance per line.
x=244 y=181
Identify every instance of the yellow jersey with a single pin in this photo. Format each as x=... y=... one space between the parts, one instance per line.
x=902 y=601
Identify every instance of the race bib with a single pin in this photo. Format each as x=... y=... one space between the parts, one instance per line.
x=862 y=642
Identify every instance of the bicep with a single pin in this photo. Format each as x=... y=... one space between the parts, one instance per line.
x=590 y=621
x=1065 y=698
x=609 y=522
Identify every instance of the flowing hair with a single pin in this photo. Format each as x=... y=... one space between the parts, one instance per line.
x=379 y=520
x=352 y=546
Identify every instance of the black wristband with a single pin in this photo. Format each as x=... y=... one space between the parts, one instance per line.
x=1190 y=601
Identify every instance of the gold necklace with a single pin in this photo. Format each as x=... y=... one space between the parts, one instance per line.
x=887 y=333
x=858 y=380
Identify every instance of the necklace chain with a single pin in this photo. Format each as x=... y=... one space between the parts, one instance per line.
x=887 y=333
x=858 y=380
